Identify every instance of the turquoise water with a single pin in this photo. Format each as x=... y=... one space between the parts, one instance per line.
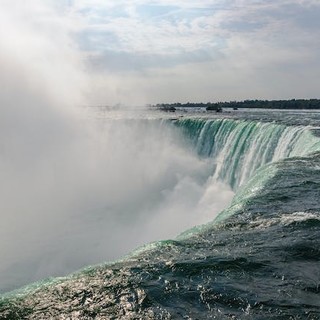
x=259 y=259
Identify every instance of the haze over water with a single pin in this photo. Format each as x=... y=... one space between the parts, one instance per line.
x=80 y=188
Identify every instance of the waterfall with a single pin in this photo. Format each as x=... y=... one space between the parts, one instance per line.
x=237 y=148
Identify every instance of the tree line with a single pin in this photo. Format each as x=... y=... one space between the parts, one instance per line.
x=259 y=104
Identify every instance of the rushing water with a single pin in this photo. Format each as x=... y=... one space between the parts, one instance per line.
x=259 y=259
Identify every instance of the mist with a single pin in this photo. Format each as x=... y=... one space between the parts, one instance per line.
x=76 y=190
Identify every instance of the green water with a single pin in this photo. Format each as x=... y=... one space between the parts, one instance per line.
x=258 y=260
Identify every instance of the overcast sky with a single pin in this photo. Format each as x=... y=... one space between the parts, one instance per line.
x=141 y=51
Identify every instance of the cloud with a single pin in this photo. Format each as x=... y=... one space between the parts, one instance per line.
x=271 y=41
x=144 y=27
x=175 y=27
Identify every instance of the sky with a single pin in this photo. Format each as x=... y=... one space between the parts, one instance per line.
x=138 y=52
x=207 y=50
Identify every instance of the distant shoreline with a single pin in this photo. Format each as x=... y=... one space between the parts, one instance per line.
x=298 y=104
